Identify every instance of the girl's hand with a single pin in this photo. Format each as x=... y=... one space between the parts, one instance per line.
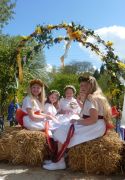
x=49 y=116
x=54 y=118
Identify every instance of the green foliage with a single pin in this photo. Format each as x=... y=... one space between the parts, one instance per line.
x=61 y=80
x=110 y=89
x=33 y=69
x=6 y=12
x=68 y=75
x=96 y=74
x=8 y=84
x=8 y=66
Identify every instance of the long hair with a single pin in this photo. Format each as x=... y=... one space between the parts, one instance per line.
x=56 y=104
x=96 y=95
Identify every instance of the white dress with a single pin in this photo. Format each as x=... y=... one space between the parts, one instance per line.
x=50 y=108
x=70 y=105
x=35 y=105
x=73 y=110
x=82 y=133
x=61 y=118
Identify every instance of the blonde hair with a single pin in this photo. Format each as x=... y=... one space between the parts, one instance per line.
x=96 y=95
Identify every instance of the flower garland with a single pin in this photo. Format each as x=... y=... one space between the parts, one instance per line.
x=78 y=33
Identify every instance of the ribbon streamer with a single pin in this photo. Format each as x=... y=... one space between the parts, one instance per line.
x=68 y=45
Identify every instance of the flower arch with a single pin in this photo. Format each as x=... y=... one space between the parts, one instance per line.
x=77 y=33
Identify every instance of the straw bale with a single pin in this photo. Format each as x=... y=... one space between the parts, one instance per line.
x=102 y=155
x=29 y=148
x=5 y=142
x=123 y=157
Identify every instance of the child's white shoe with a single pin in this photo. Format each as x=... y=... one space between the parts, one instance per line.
x=54 y=166
x=47 y=162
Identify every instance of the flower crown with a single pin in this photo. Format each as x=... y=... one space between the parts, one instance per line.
x=85 y=78
x=36 y=81
x=55 y=91
x=70 y=87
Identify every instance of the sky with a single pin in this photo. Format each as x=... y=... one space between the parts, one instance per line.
x=105 y=17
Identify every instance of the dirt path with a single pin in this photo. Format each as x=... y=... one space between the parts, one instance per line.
x=9 y=172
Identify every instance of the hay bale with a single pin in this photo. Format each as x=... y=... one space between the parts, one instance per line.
x=5 y=142
x=101 y=155
x=12 y=130
x=21 y=146
x=123 y=158
x=28 y=148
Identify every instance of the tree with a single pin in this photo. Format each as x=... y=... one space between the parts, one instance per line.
x=8 y=47
x=68 y=75
x=102 y=69
x=78 y=67
x=8 y=69
x=61 y=80
x=6 y=12
x=113 y=93
x=96 y=74
x=33 y=69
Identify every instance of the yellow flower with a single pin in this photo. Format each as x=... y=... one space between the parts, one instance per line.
x=109 y=43
x=49 y=26
x=121 y=65
x=38 y=30
x=73 y=35
x=115 y=92
x=77 y=34
x=64 y=24
x=25 y=37
x=60 y=38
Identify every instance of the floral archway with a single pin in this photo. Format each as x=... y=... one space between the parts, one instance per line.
x=76 y=33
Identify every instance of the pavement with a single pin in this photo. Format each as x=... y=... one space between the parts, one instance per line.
x=11 y=172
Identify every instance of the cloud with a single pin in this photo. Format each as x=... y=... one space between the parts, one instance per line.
x=116 y=34
x=49 y=68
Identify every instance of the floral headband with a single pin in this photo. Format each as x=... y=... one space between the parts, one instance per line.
x=70 y=87
x=85 y=78
x=55 y=91
x=36 y=81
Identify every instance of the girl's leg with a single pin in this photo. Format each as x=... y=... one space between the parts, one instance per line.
x=58 y=165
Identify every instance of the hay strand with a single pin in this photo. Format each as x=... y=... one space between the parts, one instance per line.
x=102 y=155
x=29 y=148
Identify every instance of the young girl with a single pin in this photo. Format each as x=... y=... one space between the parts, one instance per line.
x=52 y=106
x=95 y=114
x=32 y=107
x=52 y=103
x=69 y=106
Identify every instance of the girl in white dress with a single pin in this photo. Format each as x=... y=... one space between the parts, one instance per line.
x=69 y=106
x=51 y=107
x=52 y=103
x=95 y=114
x=33 y=107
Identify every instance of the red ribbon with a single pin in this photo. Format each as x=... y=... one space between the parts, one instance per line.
x=20 y=114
